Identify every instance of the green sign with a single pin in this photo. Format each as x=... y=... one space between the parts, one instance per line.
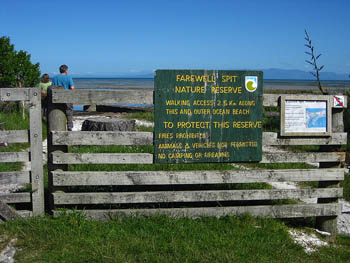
x=208 y=116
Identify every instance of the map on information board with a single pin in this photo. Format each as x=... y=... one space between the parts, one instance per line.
x=316 y=118
x=305 y=116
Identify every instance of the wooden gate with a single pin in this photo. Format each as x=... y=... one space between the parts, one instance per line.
x=34 y=177
x=187 y=193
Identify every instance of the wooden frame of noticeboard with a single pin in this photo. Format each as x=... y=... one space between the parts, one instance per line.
x=307 y=115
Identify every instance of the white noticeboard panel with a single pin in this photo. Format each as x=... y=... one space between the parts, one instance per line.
x=305 y=117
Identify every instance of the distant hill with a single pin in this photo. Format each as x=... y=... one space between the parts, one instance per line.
x=272 y=73
x=275 y=73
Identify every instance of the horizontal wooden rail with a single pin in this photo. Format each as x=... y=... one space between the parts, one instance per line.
x=271 y=138
x=15 y=198
x=146 y=138
x=147 y=158
x=193 y=196
x=20 y=177
x=12 y=157
x=61 y=178
x=272 y=211
x=24 y=213
x=103 y=97
x=15 y=94
x=102 y=158
x=272 y=100
x=102 y=138
x=308 y=157
x=20 y=136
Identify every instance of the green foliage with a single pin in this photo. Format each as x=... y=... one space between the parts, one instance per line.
x=346 y=187
x=279 y=165
x=271 y=124
x=16 y=66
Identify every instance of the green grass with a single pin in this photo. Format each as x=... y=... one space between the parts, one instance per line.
x=14 y=121
x=72 y=238
x=142 y=115
x=279 y=165
x=301 y=148
x=346 y=187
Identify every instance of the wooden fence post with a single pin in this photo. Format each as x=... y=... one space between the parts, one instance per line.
x=56 y=121
x=36 y=152
x=329 y=223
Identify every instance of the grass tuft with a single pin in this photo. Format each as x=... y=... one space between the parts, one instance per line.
x=73 y=238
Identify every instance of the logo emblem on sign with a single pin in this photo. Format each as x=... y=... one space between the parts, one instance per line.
x=251 y=83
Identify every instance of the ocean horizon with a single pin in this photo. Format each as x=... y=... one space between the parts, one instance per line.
x=120 y=83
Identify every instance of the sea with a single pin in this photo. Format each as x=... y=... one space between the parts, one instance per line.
x=338 y=86
x=148 y=83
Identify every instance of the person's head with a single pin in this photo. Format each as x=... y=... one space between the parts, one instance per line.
x=45 y=78
x=63 y=69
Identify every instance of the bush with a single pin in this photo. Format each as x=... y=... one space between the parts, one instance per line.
x=16 y=67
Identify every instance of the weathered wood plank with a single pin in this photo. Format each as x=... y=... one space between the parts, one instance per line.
x=14 y=94
x=13 y=198
x=7 y=212
x=146 y=158
x=271 y=138
x=272 y=100
x=146 y=138
x=309 y=157
x=56 y=121
x=61 y=178
x=36 y=153
x=14 y=157
x=192 y=196
x=20 y=177
x=102 y=97
x=102 y=158
x=20 y=136
x=24 y=213
x=329 y=224
x=272 y=211
x=102 y=138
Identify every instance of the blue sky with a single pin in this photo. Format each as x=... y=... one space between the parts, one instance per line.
x=136 y=37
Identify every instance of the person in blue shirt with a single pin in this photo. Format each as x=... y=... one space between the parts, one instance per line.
x=66 y=81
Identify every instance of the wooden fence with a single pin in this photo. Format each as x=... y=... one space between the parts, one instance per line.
x=33 y=199
x=186 y=193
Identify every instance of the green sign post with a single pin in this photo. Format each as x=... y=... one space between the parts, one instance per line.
x=208 y=116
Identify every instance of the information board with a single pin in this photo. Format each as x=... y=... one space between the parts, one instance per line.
x=305 y=117
x=208 y=116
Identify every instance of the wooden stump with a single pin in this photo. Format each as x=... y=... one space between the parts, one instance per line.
x=108 y=124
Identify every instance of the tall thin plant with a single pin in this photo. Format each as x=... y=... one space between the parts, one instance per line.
x=313 y=62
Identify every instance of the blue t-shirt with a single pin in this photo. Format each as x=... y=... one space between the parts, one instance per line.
x=61 y=80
